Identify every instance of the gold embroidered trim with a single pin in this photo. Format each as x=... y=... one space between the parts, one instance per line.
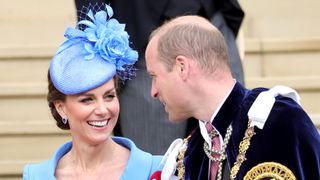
x=243 y=147
x=270 y=170
x=181 y=168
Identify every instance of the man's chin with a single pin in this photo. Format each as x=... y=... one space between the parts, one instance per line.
x=175 y=120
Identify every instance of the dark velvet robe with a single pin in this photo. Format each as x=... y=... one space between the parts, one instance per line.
x=289 y=137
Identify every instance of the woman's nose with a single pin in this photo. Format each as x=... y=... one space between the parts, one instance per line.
x=102 y=108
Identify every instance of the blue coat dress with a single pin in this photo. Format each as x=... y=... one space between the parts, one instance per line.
x=140 y=164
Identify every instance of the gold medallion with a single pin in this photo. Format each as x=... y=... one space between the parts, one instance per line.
x=270 y=170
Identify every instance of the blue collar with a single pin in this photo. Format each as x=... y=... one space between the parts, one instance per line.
x=140 y=164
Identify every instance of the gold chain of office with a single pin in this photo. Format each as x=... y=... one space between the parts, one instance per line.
x=243 y=147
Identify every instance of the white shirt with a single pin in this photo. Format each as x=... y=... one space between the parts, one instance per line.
x=203 y=129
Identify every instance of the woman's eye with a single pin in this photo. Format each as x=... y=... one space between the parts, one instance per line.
x=86 y=100
x=110 y=96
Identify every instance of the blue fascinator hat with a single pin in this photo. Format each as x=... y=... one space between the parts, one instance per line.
x=93 y=54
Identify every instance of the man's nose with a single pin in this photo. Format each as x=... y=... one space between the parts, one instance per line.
x=154 y=91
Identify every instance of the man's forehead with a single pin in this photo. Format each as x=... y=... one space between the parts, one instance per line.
x=151 y=51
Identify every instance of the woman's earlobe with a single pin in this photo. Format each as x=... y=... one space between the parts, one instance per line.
x=59 y=107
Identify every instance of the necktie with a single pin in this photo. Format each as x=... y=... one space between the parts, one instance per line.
x=213 y=134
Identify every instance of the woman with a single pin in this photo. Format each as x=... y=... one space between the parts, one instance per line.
x=83 y=99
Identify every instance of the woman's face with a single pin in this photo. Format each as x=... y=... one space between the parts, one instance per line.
x=92 y=115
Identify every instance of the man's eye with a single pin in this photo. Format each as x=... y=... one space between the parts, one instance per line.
x=153 y=77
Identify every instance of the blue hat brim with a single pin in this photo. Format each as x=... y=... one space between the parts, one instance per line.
x=71 y=73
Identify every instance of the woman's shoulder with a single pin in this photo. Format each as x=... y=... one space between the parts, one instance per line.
x=141 y=164
x=134 y=150
x=45 y=169
x=37 y=170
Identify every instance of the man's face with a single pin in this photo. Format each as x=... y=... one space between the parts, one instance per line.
x=165 y=85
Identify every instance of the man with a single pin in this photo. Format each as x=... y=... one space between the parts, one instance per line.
x=262 y=133
x=139 y=112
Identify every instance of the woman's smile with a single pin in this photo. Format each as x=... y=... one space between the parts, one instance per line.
x=99 y=124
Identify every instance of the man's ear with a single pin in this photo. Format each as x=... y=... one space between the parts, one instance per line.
x=183 y=66
x=59 y=105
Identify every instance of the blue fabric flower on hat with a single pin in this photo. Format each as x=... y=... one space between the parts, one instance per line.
x=106 y=37
x=95 y=51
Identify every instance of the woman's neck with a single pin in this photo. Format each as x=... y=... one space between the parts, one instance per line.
x=88 y=157
x=108 y=159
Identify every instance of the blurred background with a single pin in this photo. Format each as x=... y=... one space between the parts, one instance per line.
x=279 y=42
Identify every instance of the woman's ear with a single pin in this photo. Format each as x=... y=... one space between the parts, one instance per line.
x=183 y=66
x=59 y=105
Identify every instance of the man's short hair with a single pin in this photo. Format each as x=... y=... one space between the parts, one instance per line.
x=204 y=45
